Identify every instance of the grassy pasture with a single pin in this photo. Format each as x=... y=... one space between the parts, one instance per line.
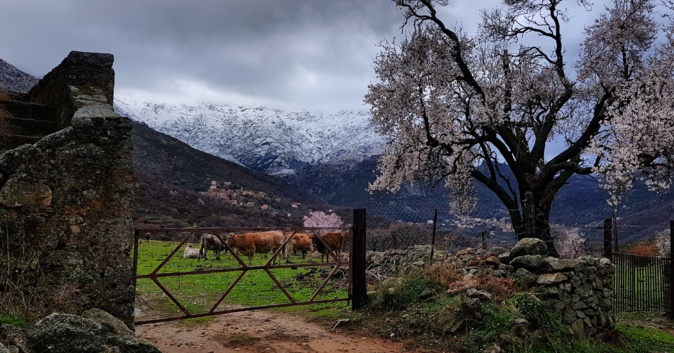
x=198 y=293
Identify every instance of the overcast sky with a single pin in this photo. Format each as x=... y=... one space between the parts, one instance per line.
x=297 y=54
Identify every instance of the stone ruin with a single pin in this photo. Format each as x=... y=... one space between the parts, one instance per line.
x=66 y=226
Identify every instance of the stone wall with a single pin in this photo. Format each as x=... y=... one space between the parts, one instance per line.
x=66 y=226
x=580 y=290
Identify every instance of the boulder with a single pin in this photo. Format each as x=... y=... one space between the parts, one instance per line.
x=529 y=246
x=531 y=263
x=479 y=294
x=67 y=333
x=492 y=261
x=504 y=258
x=95 y=331
x=551 y=278
x=524 y=277
x=553 y=264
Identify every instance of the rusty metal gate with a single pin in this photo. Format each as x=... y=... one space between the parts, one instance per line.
x=171 y=287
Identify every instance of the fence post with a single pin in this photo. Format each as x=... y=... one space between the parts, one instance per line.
x=529 y=215
x=358 y=261
x=608 y=230
x=615 y=230
x=435 y=223
x=135 y=258
x=671 y=269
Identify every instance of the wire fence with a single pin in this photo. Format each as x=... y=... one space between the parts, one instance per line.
x=419 y=223
x=410 y=224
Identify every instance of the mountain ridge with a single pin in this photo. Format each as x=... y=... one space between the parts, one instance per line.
x=13 y=79
x=273 y=141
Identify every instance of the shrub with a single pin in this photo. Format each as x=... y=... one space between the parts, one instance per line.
x=443 y=274
x=500 y=288
x=399 y=293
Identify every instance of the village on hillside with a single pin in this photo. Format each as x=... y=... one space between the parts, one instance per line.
x=228 y=193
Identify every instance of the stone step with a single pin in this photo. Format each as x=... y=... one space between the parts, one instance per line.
x=20 y=126
x=9 y=141
x=26 y=110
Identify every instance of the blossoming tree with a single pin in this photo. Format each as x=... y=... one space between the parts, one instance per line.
x=457 y=108
x=320 y=219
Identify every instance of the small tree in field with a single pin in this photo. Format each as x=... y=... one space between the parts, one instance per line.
x=458 y=107
x=319 y=219
x=569 y=241
x=662 y=242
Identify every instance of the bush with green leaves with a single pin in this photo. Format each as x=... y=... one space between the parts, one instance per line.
x=399 y=293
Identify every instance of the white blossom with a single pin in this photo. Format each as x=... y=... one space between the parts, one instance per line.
x=458 y=107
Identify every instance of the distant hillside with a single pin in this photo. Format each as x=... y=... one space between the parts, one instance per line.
x=581 y=203
x=171 y=175
x=13 y=79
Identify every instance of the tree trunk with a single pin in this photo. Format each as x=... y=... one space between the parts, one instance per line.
x=542 y=207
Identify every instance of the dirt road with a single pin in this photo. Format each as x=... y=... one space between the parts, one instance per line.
x=264 y=331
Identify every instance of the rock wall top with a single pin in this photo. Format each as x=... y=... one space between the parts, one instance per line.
x=82 y=79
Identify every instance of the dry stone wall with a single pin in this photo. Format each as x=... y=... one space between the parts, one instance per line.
x=579 y=290
x=66 y=226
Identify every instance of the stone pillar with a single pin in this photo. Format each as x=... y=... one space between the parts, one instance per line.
x=66 y=201
x=80 y=80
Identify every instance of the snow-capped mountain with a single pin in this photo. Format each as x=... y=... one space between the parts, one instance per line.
x=269 y=140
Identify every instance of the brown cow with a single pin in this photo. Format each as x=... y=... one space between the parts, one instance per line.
x=334 y=242
x=259 y=242
x=300 y=242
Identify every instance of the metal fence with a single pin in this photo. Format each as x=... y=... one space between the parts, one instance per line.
x=641 y=283
x=170 y=286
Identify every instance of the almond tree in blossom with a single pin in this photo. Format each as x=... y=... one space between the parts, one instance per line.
x=454 y=107
x=319 y=219
x=569 y=241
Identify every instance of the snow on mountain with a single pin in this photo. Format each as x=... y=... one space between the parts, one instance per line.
x=269 y=140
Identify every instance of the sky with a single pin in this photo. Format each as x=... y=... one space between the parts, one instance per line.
x=314 y=55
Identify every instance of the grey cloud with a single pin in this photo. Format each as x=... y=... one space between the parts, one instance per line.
x=313 y=54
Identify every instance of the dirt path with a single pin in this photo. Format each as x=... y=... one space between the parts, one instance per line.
x=263 y=331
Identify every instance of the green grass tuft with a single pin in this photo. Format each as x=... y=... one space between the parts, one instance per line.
x=13 y=321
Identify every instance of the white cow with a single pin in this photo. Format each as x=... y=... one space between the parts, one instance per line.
x=190 y=252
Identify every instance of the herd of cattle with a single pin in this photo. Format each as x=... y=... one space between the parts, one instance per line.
x=249 y=244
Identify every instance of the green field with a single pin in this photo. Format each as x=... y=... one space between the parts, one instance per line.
x=198 y=293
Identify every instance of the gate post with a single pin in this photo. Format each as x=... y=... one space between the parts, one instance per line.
x=608 y=249
x=435 y=223
x=358 y=261
x=671 y=269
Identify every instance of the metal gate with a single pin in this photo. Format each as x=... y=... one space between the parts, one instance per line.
x=170 y=287
x=641 y=283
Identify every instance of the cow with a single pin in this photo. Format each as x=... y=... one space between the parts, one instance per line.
x=334 y=242
x=259 y=242
x=300 y=242
x=211 y=242
x=191 y=253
